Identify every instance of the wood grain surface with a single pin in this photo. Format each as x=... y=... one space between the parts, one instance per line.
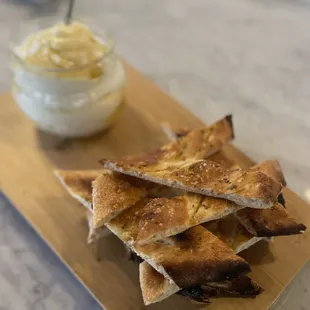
x=28 y=158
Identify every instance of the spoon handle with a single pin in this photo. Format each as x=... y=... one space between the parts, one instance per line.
x=69 y=12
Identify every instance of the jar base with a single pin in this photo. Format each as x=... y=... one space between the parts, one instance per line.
x=74 y=135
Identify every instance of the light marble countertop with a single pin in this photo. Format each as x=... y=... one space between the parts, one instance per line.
x=246 y=57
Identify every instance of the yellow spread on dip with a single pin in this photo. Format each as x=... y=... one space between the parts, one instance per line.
x=69 y=47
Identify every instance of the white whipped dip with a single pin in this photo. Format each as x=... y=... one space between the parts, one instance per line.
x=67 y=80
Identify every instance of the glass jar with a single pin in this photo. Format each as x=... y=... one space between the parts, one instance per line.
x=71 y=102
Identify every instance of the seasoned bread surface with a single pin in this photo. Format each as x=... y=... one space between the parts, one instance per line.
x=249 y=188
x=112 y=194
x=193 y=257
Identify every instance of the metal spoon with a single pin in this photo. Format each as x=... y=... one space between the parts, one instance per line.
x=69 y=12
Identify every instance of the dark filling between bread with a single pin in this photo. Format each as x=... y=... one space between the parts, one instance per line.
x=281 y=200
x=239 y=287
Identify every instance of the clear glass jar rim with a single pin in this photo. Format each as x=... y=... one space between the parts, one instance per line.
x=110 y=45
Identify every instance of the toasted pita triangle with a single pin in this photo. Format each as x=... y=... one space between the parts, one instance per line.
x=219 y=132
x=156 y=287
x=198 y=143
x=248 y=188
x=193 y=257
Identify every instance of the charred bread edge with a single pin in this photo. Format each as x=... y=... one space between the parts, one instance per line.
x=296 y=229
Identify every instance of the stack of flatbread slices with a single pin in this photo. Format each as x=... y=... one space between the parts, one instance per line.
x=185 y=216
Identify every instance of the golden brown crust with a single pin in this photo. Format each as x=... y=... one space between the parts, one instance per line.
x=244 y=239
x=271 y=222
x=154 y=286
x=198 y=143
x=168 y=217
x=79 y=183
x=183 y=131
x=155 y=219
x=212 y=209
x=114 y=193
x=165 y=217
x=195 y=256
x=126 y=224
x=225 y=229
x=244 y=187
x=232 y=233
x=249 y=188
x=273 y=170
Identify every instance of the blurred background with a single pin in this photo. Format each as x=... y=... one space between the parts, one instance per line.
x=246 y=57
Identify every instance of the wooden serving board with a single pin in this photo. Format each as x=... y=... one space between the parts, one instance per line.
x=28 y=158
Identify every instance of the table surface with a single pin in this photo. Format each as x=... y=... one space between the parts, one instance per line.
x=249 y=58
